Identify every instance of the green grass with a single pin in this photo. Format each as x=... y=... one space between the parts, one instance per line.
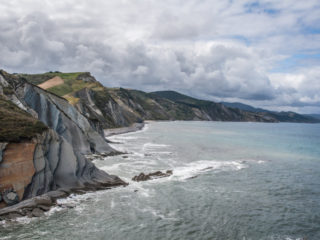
x=71 y=83
x=17 y=125
x=40 y=78
x=60 y=90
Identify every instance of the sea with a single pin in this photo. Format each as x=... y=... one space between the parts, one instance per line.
x=245 y=181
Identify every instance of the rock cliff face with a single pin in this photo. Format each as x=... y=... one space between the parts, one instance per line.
x=118 y=107
x=38 y=157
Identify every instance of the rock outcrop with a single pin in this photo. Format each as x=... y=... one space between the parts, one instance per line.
x=37 y=157
x=150 y=176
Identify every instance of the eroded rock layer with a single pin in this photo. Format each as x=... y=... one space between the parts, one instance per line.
x=46 y=155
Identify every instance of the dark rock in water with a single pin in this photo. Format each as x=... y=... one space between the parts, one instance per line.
x=69 y=205
x=10 y=197
x=14 y=216
x=193 y=177
x=25 y=208
x=0 y=197
x=54 y=195
x=44 y=208
x=150 y=176
x=141 y=177
x=37 y=212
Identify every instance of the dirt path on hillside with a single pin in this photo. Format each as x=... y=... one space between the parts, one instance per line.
x=51 y=83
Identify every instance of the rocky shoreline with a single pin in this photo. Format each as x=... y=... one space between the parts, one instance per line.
x=115 y=131
x=37 y=206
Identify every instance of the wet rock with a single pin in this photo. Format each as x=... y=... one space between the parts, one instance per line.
x=44 y=208
x=69 y=205
x=0 y=197
x=150 y=176
x=141 y=177
x=26 y=207
x=12 y=216
x=10 y=197
x=54 y=195
x=37 y=212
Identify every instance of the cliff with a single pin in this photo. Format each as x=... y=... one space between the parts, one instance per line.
x=43 y=143
x=280 y=116
x=119 y=107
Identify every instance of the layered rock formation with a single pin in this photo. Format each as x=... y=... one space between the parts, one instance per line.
x=119 y=107
x=40 y=156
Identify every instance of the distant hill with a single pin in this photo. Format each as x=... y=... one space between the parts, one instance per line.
x=280 y=116
x=317 y=116
x=118 y=107
x=244 y=107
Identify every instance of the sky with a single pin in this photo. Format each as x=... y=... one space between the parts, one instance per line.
x=264 y=53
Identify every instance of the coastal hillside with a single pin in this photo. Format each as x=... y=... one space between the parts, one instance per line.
x=118 y=107
x=43 y=143
x=280 y=116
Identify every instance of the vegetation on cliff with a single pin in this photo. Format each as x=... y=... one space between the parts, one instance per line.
x=16 y=124
x=119 y=107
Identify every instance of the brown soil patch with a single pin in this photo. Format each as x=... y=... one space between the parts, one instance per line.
x=51 y=83
x=17 y=168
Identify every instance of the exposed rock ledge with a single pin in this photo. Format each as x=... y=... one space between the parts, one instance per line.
x=37 y=206
x=115 y=131
x=48 y=162
x=50 y=159
x=150 y=176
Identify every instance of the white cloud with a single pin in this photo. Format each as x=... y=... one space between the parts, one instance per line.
x=213 y=49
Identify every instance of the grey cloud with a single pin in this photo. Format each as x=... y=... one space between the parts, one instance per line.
x=154 y=45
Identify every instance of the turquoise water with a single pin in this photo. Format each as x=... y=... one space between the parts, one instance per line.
x=230 y=181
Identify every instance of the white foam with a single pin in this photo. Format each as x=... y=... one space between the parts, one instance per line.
x=154 y=145
x=259 y=161
x=165 y=152
x=193 y=169
x=156 y=213
x=3 y=238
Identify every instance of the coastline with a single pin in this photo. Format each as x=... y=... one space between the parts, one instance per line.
x=116 y=131
x=37 y=206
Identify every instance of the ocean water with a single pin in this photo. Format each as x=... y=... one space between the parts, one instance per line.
x=230 y=181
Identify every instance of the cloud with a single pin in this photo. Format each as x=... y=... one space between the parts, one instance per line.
x=211 y=49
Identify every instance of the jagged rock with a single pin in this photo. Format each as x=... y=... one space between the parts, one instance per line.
x=27 y=207
x=37 y=212
x=86 y=77
x=57 y=154
x=69 y=205
x=10 y=197
x=54 y=195
x=44 y=207
x=141 y=177
x=12 y=216
x=154 y=175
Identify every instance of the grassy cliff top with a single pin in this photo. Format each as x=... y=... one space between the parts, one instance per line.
x=17 y=125
x=37 y=79
x=71 y=83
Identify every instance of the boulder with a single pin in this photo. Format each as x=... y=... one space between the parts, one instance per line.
x=150 y=176
x=37 y=212
x=10 y=197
